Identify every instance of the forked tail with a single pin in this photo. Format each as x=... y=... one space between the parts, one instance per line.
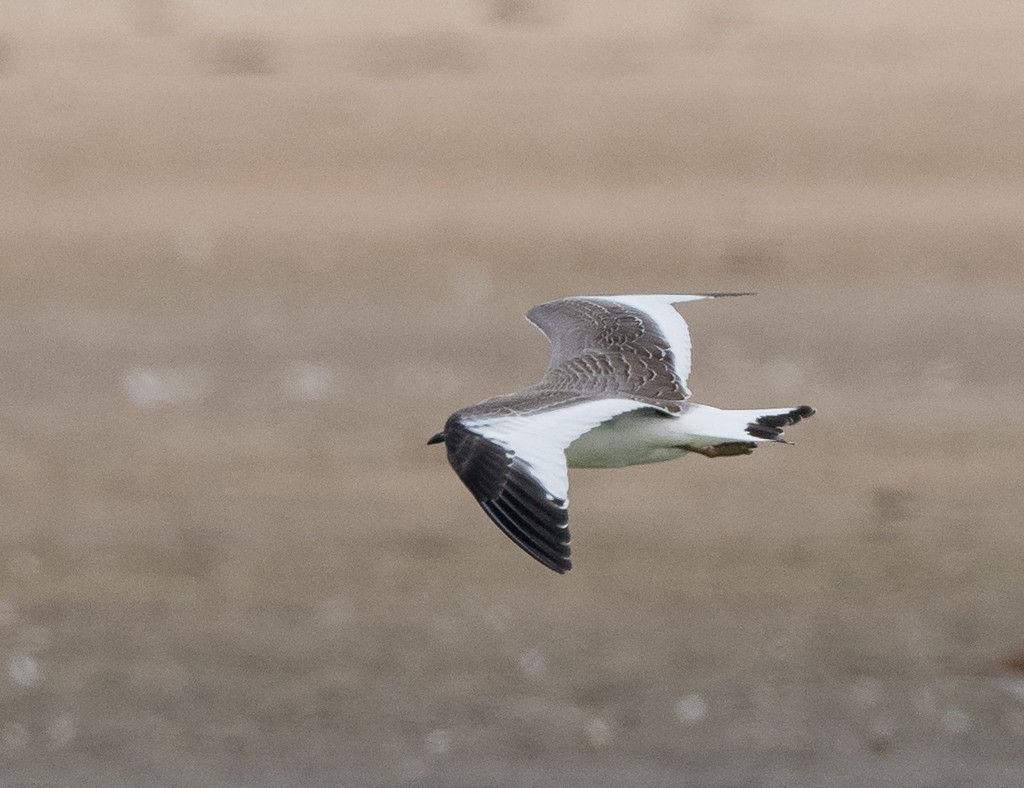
x=708 y=426
x=769 y=425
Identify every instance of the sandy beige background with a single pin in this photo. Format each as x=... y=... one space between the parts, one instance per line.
x=253 y=254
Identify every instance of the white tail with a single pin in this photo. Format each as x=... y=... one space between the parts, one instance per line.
x=708 y=426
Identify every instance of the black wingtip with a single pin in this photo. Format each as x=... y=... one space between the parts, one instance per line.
x=559 y=566
x=563 y=565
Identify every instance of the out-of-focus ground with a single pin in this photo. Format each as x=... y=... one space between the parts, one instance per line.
x=250 y=259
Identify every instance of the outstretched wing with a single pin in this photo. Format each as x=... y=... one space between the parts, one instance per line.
x=515 y=467
x=637 y=345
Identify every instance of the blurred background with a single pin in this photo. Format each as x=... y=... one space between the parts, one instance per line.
x=252 y=254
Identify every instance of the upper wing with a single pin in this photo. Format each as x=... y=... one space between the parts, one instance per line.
x=515 y=467
x=633 y=344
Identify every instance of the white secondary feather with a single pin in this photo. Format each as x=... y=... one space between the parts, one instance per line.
x=668 y=321
x=539 y=439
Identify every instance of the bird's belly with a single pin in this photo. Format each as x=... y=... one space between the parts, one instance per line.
x=626 y=440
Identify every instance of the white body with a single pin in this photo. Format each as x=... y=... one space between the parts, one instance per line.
x=640 y=437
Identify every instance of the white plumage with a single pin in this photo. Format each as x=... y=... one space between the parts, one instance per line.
x=615 y=394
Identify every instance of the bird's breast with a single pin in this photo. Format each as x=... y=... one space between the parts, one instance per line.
x=630 y=439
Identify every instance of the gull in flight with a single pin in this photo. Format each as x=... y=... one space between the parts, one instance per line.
x=614 y=394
